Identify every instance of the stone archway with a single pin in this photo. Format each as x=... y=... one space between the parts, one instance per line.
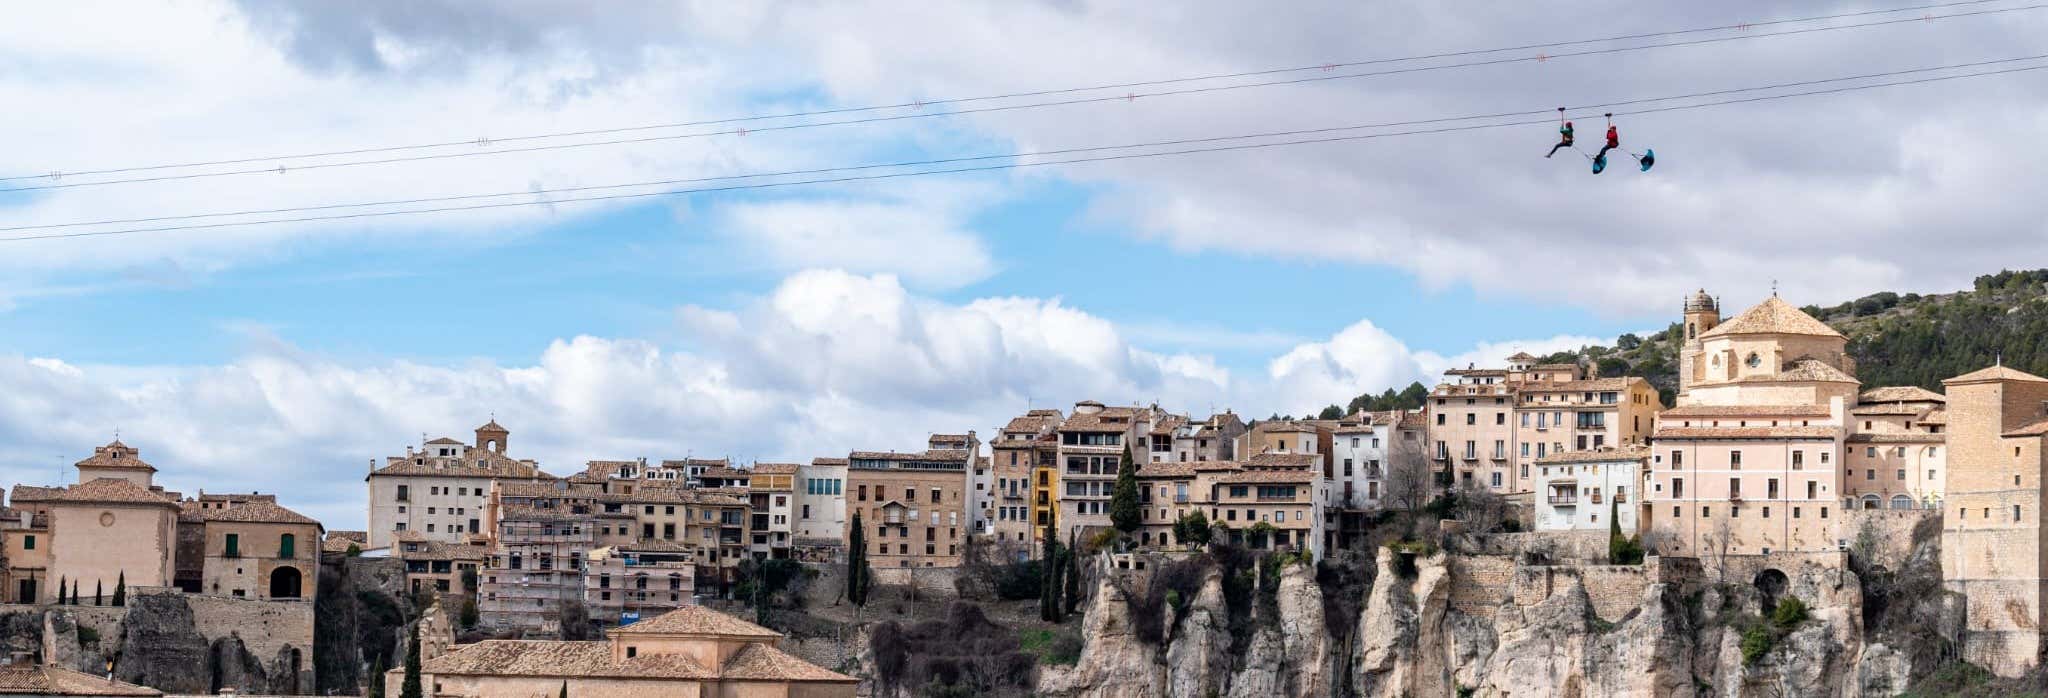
x=285 y=583
x=1771 y=584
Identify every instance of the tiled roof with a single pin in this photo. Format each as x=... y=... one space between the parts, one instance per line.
x=1101 y=421
x=1287 y=427
x=1773 y=316
x=1414 y=420
x=1604 y=455
x=1804 y=370
x=32 y=493
x=1744 y=433
x=940 y=455
x=1283 y=460
x=1263 y=476
x=338 y=541
x=491 y=426
x=759 y=661
x=439 y=550
x=697 y=620
x=724 y=472
x=1910 y=437
x=1172 y=469
x=116 y=491
x=1995 y=373
x=1034 y=422
x=1165 y=424
x=115 y=455
x=1746 y=411
x=2036 y=429
x=1937 y=415
x=1590 y=384
x=775 y=468
x=1216 y=465
x=1553 y=367
x=528 y=512
x=258 y=511
x=495 y=466
x=1521 y=356
x=1894 y=408
x=45 y=680
x=1902 y=393
x=555 y=658
x=828 y=461
x=444 y=441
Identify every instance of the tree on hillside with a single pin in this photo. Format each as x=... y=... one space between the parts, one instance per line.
x=376 y=680
x=1123 y=499
x=61 y=581
x=1072 y=575
x=858 y=576
x=1331 y=412
x=410 y=687
x=565 y=690
x=1049 y=592
x=1192 y=529
x=1407 y=473
x=1411 y=397
x=121 y=589
x=98 y=592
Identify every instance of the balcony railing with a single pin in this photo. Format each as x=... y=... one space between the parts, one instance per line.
x=1564 y=499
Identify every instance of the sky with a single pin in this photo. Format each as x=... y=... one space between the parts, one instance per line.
x=790 y=322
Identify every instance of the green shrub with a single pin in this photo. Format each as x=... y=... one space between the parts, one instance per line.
x=1756 y=641
x=88 y=636
x=1173 y=599
x=1790 y=612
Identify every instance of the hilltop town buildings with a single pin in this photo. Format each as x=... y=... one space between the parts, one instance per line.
x=441 y=489
x=916 y=505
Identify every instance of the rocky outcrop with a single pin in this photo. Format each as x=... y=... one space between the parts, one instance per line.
x=1114 y=662
x=360 y=615
x=1401 y=632
x=1198 y=660
x=162 y=648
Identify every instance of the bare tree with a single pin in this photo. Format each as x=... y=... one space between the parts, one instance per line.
x=1407 y=473
x=1480 y=509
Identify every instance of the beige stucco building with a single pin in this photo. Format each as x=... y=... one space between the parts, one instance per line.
x=914 y=506
x=691 y=652
x=254 y=548
x=623 y=584
x=114 y=525
x=1896 y=456
x=442 y=489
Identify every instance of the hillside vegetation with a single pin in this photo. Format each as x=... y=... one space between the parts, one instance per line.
x=1896 y=339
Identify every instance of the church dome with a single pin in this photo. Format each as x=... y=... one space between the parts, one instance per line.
x=1701 y=301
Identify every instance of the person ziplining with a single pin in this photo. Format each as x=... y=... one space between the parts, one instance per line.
x=1564 y=133
x=1646 y=160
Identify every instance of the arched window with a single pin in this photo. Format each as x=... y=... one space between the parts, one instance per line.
x=284 y=583
x=1902 y=502
x=287 y=546
x=1870 y=501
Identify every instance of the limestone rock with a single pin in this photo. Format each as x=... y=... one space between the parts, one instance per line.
x=1114 y=662
x=1198 y=660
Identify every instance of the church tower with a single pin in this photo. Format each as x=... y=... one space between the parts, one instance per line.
x=491 y=437
x=1702 y=313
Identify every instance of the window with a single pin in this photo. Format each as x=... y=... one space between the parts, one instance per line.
x=404 y=493
x=287 y=547
x=1735 y=460
x=1798 y=459
x=234 y=546
x=1677 y=459
x=1471 y=418
x=28 y=542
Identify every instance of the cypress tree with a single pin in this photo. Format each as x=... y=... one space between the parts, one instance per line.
x=74 y=592
x=376 y=687
x=565 y=689
x=1073 y=574
x=1049 y=578
x=98 y=587
x=411 y=687
x=1123 y=500
x=858 y=577
x=60 y=590
x=121 y=589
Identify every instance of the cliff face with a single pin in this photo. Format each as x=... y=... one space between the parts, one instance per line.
x=1682 y=636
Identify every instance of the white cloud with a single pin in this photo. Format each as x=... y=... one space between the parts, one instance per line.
x=921 y=243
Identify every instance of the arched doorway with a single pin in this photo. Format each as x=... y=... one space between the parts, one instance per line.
x=1771 y=584
x=284 y=583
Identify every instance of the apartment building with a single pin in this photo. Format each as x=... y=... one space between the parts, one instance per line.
x=535 y=567
x=1471 y=420
x=1022 y=455
x=1283 y=490
x=1580 y=414
x=624 y=583
x=820 y=510
x=1750 y=459
x=1167 y=491
x=915 y=505
x=441 y=488
x=1093 y=442
x=1589 y=490
x=1896 y=456
x=1212 y=439
x=771 y=497
x=250 y=547
x=437 y=567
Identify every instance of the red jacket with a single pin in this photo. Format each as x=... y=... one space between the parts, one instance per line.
x=1613 y=137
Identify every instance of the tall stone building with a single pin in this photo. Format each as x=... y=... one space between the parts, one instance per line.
x=914 y=505
x=1991 y=538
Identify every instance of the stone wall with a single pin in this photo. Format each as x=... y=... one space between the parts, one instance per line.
x=279 y=632
x=1613 y=590
x=1558 y=546
x=1890 y=539
x=1479 y=583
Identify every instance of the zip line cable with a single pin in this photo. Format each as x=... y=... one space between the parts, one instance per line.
x=1064 y=151
x=280 y=168
x=1003 y=166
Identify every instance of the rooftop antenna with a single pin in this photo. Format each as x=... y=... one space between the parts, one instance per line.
x=1774 y=288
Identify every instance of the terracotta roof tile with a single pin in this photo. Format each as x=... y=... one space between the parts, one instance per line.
x=1171 y=469
x=44 y=680
x=1902 y=393
x=258 y=511
x=1995 y=373
x=1914 y=437
x=775 y=468
x=1745 y=433
x=1604 y=455
x=1773 y=316
x=114 y=490
x=2036 y=429
x=1283 y=460
x=759 y=661
x=1895 y=408
x=115 y=455
x=1270 y=476
x=32 y=493
x=1746 y=411
x=555 y=658
x=697 y=620
x=1934 y=416
x=1579 y=386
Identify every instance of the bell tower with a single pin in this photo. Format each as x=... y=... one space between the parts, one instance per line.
x=1702 y=313
x=491 y=437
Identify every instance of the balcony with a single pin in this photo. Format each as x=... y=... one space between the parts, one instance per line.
x=1180 y=499
x=1735 y=496
x=1596 y=499
x=1564 y=500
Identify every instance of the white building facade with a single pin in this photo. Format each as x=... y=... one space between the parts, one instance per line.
x=1589 y=490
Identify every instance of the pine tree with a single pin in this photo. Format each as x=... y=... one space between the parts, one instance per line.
x=121 y=590
x=1123 y=500
x=411 y=687
x=858 y=576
